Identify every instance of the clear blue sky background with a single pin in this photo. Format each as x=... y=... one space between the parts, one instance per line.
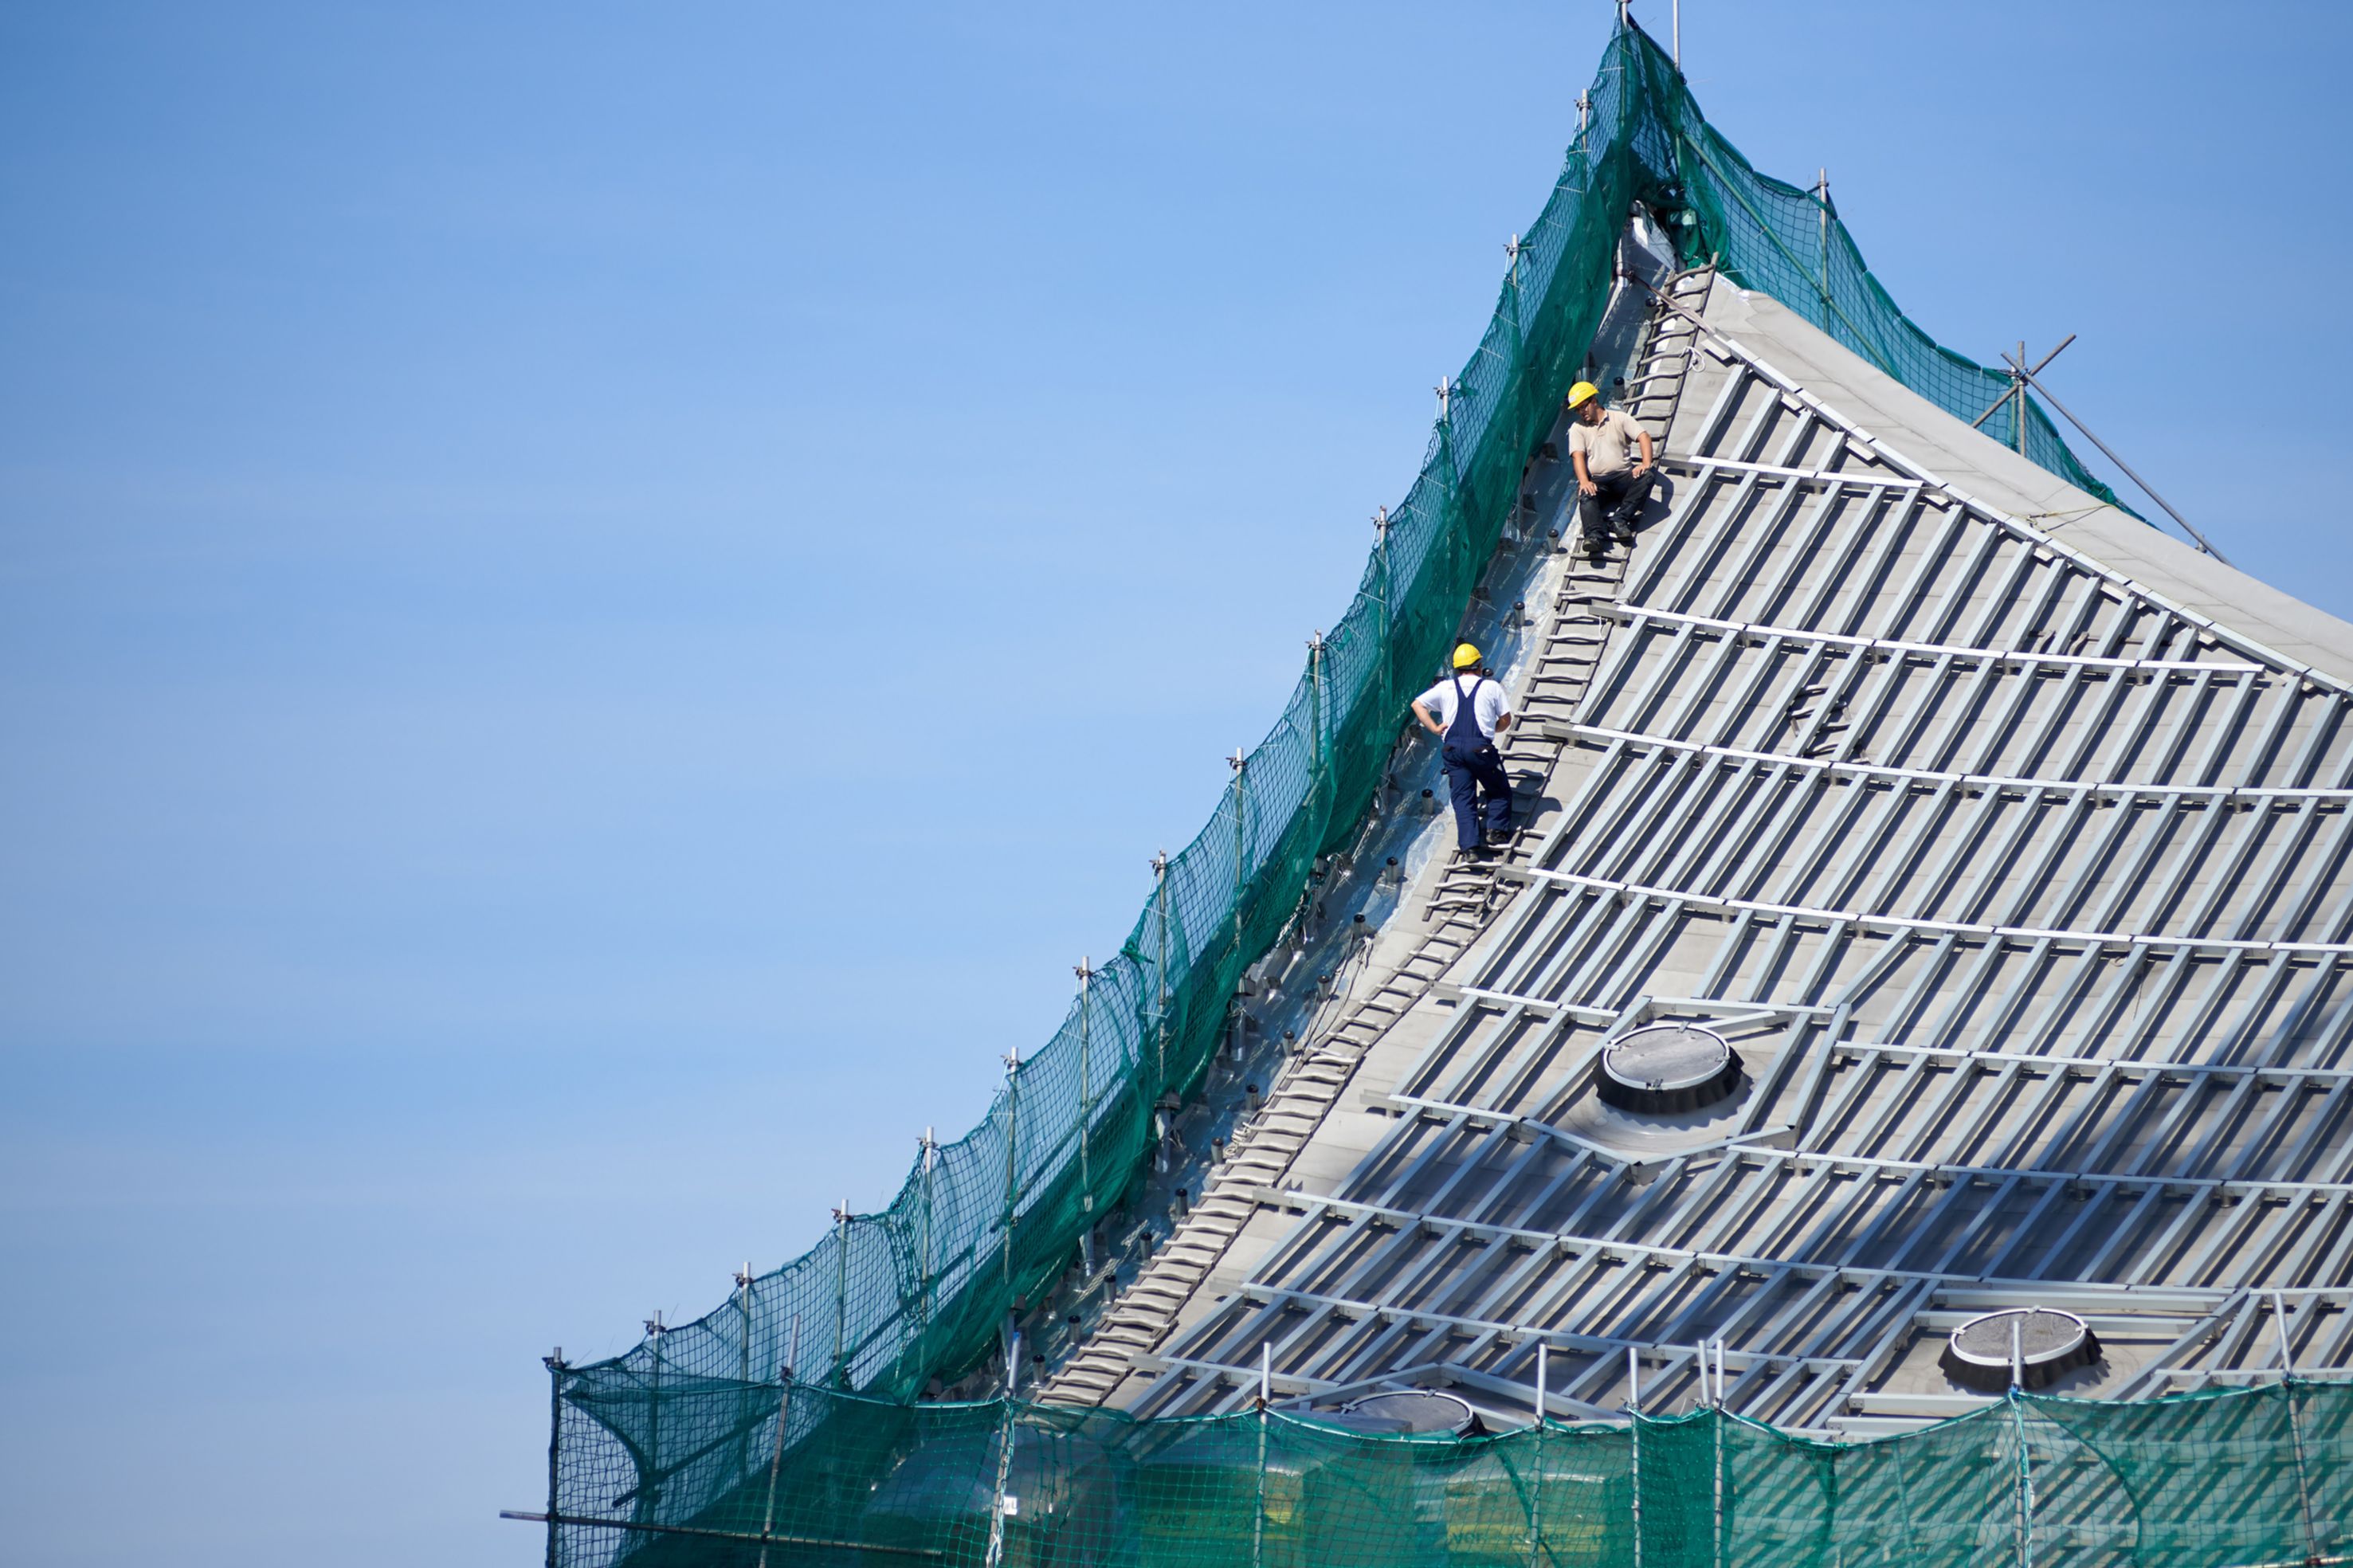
x=597 y=601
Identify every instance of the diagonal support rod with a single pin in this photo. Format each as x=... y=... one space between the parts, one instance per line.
x=2027 y=375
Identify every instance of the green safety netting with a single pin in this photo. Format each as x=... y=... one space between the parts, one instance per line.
x=2250 y=1476
x=889 y=1300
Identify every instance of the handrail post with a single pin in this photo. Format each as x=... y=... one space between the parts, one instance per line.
x=995 y=1553
x=930 y=1150
x=1086 y=1116
x=1535 y=1487
x=1823 y=200
x=1239 y=763
x=2017 y=1397
x=1265 y=1391
x=1318 y=770
x=783 y=1422
x=555 y=1370
x=1716 y=1406
x=1388 y=604
x=2020 y=382
x=840 y=1376
x=1012 y=1164
x=2296 y=1428
x=1160 y=974
x=1634 y=1431
x=650 y=1466
x=743 y=1290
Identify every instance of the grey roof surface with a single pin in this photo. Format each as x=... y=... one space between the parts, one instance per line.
x=2004 y=838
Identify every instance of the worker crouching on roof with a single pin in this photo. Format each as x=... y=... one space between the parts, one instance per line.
x=1611 y=482
x=1466 y=712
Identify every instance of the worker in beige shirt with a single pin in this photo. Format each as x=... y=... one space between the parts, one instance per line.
x=1612 y=483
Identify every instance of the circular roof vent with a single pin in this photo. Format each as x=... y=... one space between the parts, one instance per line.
x=1668 y=1068
x=1413 y=1410
x=2048 y=1343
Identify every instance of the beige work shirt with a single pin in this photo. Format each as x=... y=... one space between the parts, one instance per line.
x=1609 y=447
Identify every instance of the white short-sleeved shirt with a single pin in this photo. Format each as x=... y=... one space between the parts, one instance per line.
x=1486 y=702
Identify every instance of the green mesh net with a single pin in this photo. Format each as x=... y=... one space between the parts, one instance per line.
x=681 y=1426
x=2244 y=1477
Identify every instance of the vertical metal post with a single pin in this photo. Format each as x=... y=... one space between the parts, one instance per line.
x=1823 y=200
x=1265 y=1391
x=1388 y=607
x=1315 y=712
x=1239 y=763
x=649 y=1493
x=744 y=1292
x=1086 y=1110
x=2018 y=1420
x=995 y=1553
x=783 y=1422
x=1457 y=538
x=554 y=1448
x=2296 y=1428
x=1012 y=1161
x=2020 y=379
x=1678 y=34
x=1160 y=968
x=1519 y=355
x=1535 y=1486
x=2018 y=1425
x=1716 y=1420
x=930 y=1159
x=841 y=1377
x=1634 y=1432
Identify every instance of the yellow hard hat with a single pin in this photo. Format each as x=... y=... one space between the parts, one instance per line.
x=1581 y=391
x=1465 y=655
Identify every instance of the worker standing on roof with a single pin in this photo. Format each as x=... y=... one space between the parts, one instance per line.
x=1466 y=714
x=1611 y=483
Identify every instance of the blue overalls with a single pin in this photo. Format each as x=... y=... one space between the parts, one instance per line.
x=1473 y=765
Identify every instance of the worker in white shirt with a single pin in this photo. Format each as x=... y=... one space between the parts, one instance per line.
x=1611 y=482
x=1466 y=712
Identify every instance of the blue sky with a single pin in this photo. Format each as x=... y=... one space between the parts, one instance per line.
x=597 y=602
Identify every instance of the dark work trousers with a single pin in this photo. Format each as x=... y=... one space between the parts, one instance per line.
x=1615 y=502
x=1474 y=767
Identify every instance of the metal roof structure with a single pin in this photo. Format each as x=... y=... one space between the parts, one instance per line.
x=2002 y=838
x=1922 y=980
